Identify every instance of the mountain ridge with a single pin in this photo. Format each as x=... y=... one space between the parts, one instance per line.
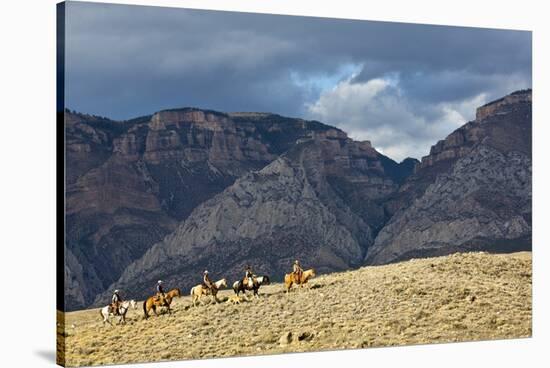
x=131 y=182
x=259 y=188
x=481 y=171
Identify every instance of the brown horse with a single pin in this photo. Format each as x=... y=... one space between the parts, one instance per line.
x=174 y=293
x=290 y=278
x=153 y=303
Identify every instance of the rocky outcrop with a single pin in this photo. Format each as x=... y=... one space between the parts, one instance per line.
x=130 y=183
x=505 y=104
x=508 y=129
x=492 y=122
x=320 y=202
x=472 y=193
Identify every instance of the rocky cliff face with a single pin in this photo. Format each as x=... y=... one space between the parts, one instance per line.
x=320 y=202
x=130 y=183
x=168 y=195
x=472 y=192
x=504 y=122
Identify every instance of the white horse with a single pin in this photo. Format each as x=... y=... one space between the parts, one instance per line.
x=108 y=311
x=263 y=280
x=198 y=291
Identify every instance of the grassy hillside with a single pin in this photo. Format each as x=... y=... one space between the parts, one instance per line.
x=460 y=297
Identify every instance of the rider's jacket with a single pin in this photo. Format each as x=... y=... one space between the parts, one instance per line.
x=116 y=298
x=160 y=289
x=207 y=281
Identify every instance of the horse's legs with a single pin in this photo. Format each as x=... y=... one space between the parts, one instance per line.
x=247 y=297
x=155 y=310
x=196 y=299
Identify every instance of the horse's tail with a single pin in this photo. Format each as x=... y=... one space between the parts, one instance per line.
x=145 y=309
x=101 y=314
x=192 y=292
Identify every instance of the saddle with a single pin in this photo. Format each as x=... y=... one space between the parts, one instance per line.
x=207 y=289
x=246 y=281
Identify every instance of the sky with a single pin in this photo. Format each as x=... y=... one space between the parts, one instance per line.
x=401 y=86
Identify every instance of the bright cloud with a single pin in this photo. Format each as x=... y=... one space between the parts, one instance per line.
x=378 y=110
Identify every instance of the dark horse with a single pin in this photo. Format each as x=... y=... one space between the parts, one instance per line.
x=240 y=285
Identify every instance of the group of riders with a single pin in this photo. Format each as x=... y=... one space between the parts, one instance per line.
x=249 y=278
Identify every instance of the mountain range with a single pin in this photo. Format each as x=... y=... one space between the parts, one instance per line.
x=168 y=195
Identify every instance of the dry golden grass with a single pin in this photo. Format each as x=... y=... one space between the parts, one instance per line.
x=462 y=297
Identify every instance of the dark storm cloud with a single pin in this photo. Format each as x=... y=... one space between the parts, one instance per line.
x=124 y=61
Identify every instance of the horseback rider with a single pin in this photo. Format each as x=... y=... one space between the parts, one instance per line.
x=115 y=302
x=297 y=270
x=249 y=277
x=206 y=281
x=160 y=290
